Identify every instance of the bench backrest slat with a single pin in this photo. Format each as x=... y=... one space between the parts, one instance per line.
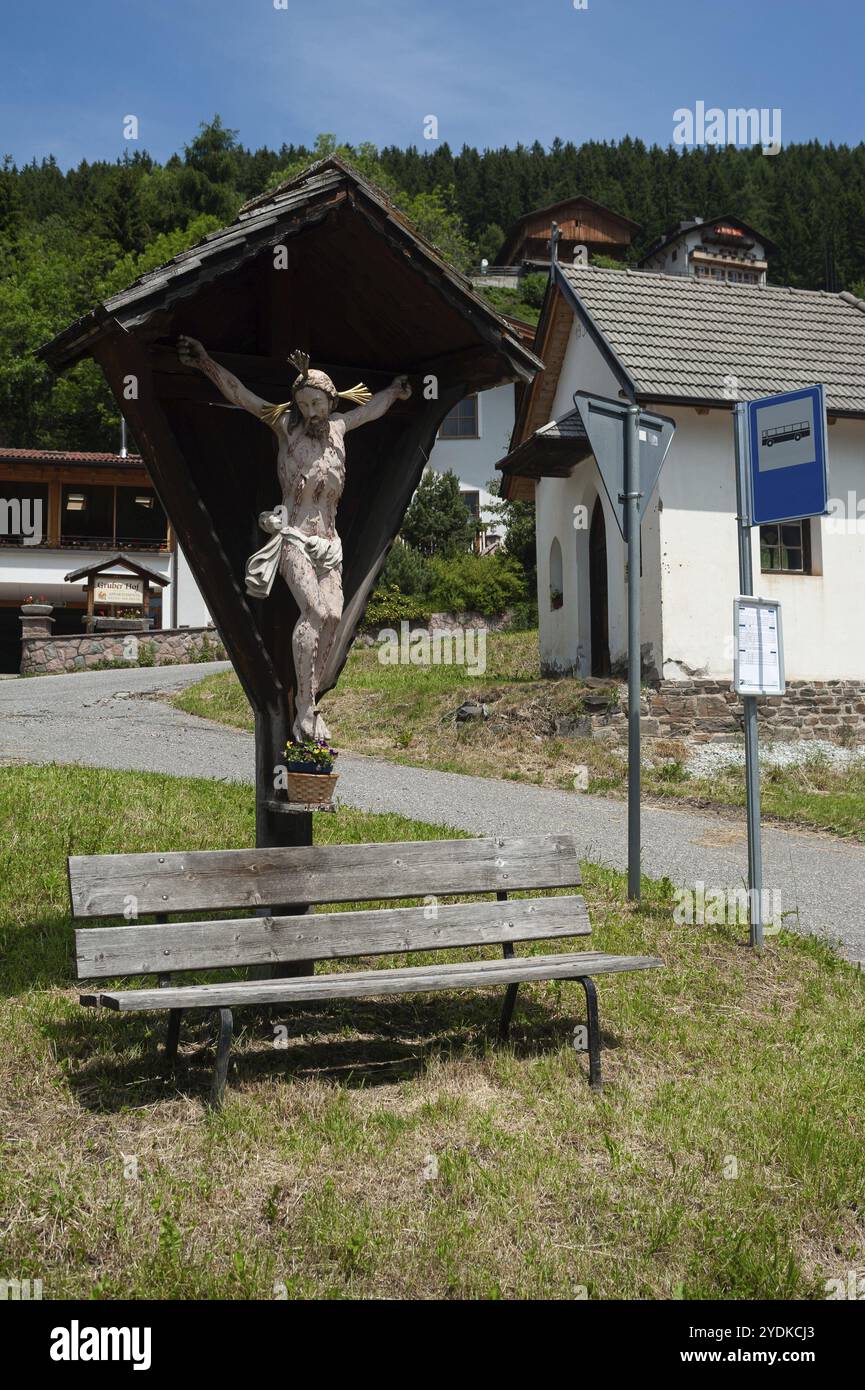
x=104 y=952
x=133 y=885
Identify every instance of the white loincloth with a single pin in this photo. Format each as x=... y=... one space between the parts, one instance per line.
x=261 y=568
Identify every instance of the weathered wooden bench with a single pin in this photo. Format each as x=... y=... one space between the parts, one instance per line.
x=137 y=885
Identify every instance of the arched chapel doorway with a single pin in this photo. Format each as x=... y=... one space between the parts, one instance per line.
x=598 y=598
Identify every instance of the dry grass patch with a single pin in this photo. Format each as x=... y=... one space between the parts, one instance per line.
x=391 y=1150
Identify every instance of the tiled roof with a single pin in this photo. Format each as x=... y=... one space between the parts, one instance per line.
x=551 y=451
x=69 y=456
x=568 y=427
x=677 y=337
x=302 y=201
x=696 y=224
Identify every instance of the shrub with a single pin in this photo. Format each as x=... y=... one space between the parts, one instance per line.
x=207 y=651
x=407 y=570
x=486 y=584
x=533 y=288
x=388 y=606
x=524 y=616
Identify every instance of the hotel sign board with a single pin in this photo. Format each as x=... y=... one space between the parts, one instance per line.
x=129 y=592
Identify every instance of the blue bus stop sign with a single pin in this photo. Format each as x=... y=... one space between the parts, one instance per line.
x=787 y=452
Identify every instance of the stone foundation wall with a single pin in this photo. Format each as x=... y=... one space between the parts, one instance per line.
x=49 y=655
x=707 y=711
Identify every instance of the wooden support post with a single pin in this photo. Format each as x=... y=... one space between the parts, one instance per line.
x=54 y=513
x=273 y=830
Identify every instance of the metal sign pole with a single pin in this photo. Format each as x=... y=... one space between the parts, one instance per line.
x=629 y=447
x=749 y=702
x=631 y=499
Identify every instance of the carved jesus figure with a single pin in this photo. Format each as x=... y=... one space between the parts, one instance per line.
x=303 y=545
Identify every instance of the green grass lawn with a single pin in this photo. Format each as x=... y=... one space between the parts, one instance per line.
x=402 y=713
x=391 y=1151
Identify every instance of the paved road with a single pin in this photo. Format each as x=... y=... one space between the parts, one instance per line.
x=95 y=718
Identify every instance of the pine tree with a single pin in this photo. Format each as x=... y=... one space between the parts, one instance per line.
x=438 y=522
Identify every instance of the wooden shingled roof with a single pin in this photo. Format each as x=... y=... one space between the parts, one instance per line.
x=317 y=197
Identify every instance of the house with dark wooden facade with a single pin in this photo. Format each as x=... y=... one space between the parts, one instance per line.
x=580 y=222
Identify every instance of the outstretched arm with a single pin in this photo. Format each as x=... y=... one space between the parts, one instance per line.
x=193 y=354
x=399 y=390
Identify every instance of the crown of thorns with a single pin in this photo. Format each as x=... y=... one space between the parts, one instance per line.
x=319 y=381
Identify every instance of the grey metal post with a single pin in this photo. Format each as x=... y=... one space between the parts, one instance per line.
x=631 y=500
x=749 y=702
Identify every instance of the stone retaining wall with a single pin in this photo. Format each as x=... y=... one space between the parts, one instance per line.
x=49 y=655
x=438 y=622
x=708 y=711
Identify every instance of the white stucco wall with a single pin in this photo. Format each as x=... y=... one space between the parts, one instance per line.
x=690 y=572
x=565 y=633
x=34 y=570
x=474 y=460
x=822 y=615
x=675 y=258
x=192 y=611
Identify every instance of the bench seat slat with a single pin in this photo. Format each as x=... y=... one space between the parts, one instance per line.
x=359 y=984
x=106 y=952
x=106 y=885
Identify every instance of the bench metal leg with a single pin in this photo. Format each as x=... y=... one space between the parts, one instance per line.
x=507 y=1012
x=220 y=1071
x=595 y=1079
x=511 y=990
x=172 y=1038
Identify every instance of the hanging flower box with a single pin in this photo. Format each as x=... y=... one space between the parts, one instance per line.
x=310 y=778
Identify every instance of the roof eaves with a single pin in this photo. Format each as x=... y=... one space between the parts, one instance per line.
x=142 y=570
x=540 y=331
x=449 y=274
x=565 y=202
x=675 y=399
x=564 y=436
x=676 y=233
x=626 y=380
x=849 y=298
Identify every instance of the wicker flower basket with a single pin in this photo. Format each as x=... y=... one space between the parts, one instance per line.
x=311 y=788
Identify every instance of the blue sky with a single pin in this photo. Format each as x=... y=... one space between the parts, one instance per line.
x=492 y=71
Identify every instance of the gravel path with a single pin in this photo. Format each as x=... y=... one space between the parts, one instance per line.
x=709 y=757
x=94 y=718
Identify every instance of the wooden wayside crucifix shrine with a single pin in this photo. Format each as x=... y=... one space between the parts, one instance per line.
x=325 y=263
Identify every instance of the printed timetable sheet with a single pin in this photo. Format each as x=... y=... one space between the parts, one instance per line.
x=759 y=647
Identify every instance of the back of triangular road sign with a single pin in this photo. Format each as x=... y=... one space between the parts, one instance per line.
x=604 y=422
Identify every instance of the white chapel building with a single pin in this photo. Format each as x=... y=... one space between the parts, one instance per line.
x=687 y=346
